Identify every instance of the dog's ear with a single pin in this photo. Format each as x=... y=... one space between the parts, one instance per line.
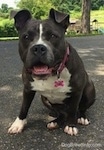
x=20 y=18
x=59 y=17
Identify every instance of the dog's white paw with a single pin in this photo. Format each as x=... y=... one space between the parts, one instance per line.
x=52 y=125
x=83 y=121
x=71 y=130
x=17 y=126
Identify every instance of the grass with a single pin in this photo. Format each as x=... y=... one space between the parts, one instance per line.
x=99 y=16
x=75 y=15
x=96 y=14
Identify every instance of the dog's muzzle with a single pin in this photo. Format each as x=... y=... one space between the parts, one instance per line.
x=44 y=70
x=40 y=53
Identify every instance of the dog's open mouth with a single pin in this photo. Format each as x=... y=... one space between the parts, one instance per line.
x=41 y=70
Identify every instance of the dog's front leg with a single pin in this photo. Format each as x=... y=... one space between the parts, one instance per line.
x=21 y=121
x=72 y=109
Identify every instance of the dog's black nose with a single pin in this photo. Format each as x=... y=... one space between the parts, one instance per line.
x=39 y=49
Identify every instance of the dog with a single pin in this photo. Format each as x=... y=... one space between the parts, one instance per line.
x=52 y=67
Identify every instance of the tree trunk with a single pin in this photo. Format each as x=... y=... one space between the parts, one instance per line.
x=85 y=19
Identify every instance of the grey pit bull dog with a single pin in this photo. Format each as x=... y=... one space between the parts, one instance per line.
x=53 y=68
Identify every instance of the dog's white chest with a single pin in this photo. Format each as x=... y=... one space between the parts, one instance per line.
x=54 y=89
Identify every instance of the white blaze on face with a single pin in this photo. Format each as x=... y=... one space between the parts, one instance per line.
x=41 y=31
x=43 y=42
x=40 y=40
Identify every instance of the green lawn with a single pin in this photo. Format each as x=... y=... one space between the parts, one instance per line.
x=96 y=14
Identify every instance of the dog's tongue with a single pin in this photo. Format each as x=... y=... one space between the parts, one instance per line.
x=41 y=70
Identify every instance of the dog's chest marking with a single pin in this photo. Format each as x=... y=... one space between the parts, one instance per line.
x=54 y=89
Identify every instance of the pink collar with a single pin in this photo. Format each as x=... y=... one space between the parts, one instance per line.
x=62 y=64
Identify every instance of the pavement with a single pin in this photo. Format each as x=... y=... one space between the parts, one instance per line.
x=36 y=136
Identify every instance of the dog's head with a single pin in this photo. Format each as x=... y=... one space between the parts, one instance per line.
x=41 y=42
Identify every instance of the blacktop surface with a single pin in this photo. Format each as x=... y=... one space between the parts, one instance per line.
x=36 y=136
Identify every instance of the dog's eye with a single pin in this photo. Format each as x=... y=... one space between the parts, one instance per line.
x=26 y=37
x=51 y=35
x=54 y=36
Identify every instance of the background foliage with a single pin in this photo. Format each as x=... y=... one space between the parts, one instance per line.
x=40 y=9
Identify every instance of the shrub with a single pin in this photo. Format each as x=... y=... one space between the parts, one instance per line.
x=7 y=29
x=77 y=8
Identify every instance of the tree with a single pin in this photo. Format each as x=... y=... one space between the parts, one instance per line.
x=96 y=4
x=62 y=5
x=66 y=5
x=38 y=8
x=85 y=19
x=4 y=8
x=26 y=4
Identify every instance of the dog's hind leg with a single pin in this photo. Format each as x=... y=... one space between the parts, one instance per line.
x=87 y=100
x=52 y=114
